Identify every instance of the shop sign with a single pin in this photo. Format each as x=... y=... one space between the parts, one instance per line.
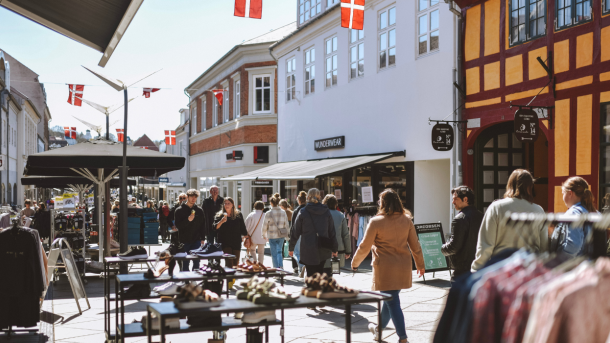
x=262 y=183
x=442 y=137
x=330 y=143
x=261 y=154
x=367 y=194
x=236 y=155
x=164 y=179
x=526 y=125
x=431 y=239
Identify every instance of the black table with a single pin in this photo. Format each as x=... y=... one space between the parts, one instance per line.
x=167 y=310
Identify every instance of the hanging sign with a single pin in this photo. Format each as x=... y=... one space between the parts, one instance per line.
x=442 y=137
x=68 y=200
x=367 y=194
x=59 y=202
x=526 y=125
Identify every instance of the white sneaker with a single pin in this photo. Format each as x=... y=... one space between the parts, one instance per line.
x=257 y=317
x=374 y=331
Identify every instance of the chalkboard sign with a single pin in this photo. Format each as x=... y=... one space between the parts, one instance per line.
x=442 y=137
x=526 y=125
x=58 y=249
x=431 y=239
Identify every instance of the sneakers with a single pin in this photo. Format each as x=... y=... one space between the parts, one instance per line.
x=208 y=250
x=134 y=253
x=257 y=317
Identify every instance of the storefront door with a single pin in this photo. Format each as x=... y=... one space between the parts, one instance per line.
x=262 y=194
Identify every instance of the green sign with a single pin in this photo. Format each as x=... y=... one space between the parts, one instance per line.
x=431 y=240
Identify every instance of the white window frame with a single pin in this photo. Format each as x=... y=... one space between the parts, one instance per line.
x=262 y=88
x=215 y=111
x=426 y=14
x=291 y=84
x=330 y=3
x=358 y=44
x=331 y=57
x=236 y=99
x=309 y=71
x=307 y=11
x=383 y=37
x=225 y=114
x=204 y=114
x=194 y=132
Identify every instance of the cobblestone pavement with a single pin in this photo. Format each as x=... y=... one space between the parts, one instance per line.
x=421 y=305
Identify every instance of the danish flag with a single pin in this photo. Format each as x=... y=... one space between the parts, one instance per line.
x=218 y=94
x=70 y=132
x=249 y=8
x=147 y=91
x=119 y=133
x=76 y=92
x=170 y=137
x=352 y=14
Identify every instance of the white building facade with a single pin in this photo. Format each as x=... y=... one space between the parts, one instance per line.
x=178 y=179
x=373 y=91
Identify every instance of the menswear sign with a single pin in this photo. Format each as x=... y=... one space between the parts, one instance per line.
x=330 y=143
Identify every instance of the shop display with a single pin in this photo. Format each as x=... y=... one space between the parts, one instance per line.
x=264 y=292
x=326 y=287
x=208 y=250
x=193 y=296
x=170 y=264
x=215 y=269
x=169 y=289
x=134 y=253
x=254 y=267
x=171 y=323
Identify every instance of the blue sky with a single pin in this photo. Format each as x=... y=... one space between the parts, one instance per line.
x=181 y=37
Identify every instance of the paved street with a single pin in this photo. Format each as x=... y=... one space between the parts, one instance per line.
x=421 y=305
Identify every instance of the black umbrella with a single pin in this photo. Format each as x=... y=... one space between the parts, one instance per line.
x=66 y=182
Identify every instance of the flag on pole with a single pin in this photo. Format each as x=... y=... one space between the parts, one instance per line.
x=170 y=137
x=218 y=94
x=76 y=93
x=70 y=132
x=249 y=8
x=147 y=91
x=119 y=133
x=352 y=14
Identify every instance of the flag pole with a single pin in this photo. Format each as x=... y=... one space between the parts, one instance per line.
x=123 y=191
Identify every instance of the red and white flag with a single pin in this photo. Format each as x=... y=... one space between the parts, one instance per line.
x=76 y=93
x=70 y=132
x=249 y=8
x=144 y=147
x=147 y=91
x=119 y=133
x=352 y=14
x=218 y=94
x=170 y=137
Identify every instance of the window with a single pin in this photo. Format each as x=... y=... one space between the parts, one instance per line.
x=527 y=20
x=331 y=62
x=204 y=115
x=572 y=12
x=356 y=52
x=330 y=3
x=310 y=71
x=387 y=38
x=225 y=110
x=215 y=111
x=291 y=65
x=236 y=99
x=262 y=93
x=308 y=9
x=606 y=8
x=194 y=120
x=427 y=26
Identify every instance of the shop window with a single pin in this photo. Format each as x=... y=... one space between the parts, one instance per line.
x=527 y=20
x=290 y=78
x=204 y=115
x=194 y=111
x=572 y=12
x=333 y=185
x=393 y=176
x=606 y=8
x=356 y=52
x=331 y=62
x=289 y=190
x=604 y=157
x=10 y=193
x=236 y=99
x=387 y=38
x=362 y=178
x=427 y=26
x=262 y=93
x=261 y=154
x=309 y=9
x=310 y=71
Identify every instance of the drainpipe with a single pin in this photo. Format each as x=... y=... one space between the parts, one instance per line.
x=188 y=144
x=2 y=96
x=8 y=147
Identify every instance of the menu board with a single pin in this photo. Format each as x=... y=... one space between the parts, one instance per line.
x=431 y=239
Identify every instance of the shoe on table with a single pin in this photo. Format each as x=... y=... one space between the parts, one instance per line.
x=134 y=253
x=257 y=317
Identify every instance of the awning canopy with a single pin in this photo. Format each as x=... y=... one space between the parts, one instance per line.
x=97 y=24
x=306 y=170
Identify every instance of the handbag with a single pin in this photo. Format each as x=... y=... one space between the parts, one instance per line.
x=248 y=239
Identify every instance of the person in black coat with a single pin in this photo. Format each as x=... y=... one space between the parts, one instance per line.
x=296 y=248
x=189 y=219
x=230 y=228
x=211 y=206
x=462 y=246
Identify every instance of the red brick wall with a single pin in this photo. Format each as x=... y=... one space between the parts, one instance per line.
x=247 y=134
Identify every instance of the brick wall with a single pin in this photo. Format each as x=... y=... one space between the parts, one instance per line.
x=243 y=135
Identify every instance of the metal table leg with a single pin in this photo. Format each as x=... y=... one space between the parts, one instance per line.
x=282 y=327
x=267 y=334
x=348 y=323
x=122 y=317
x=148 y=325
x=161 y=328
x=116 y=309
x=379 y=328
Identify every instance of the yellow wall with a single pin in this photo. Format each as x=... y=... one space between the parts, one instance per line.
x=472 y=40
x=535 y=68
x=560 y=206
x=492 y=27
x=562 y=137
x=473 y=81
x=604 y=97
x=561 y=56
x=514 y=70
x=492 y=75
x=584 y=131
x=605 y=43
x=584 y=50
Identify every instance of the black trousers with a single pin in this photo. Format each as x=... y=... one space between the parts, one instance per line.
x=315 y=269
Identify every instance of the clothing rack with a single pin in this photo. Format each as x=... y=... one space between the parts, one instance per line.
x=54 y=213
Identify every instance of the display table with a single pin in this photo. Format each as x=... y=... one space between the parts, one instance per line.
x=167 y=310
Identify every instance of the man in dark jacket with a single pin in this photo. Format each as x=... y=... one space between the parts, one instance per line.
x=462 y=246
x=211 y=206
x=190 y=222
x=297 y=267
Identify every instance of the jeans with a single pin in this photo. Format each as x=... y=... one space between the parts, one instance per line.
x=391 y=309
x=188 y=247
x=297 y=253
x=276 y=252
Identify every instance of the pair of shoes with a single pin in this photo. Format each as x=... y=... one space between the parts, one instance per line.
x=193 y=296
x=257 y=317
x=325 y=287
x=134 y=253
x=170 y=323
x=208 y=250
x=170 y=264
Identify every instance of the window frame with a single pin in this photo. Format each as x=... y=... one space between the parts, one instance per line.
x=305 y=9
x=194 y=132
x=386 y=30
x=214 y=110
x=204 y=115
x=262 y=76
x=605 y=7
x=333 y=57
x=236 y=99
x=356 y=44
x=225 y=114
x=573 y=21
x=291 y=83
x=427 y=12
x=527 y=22
x=307 y=67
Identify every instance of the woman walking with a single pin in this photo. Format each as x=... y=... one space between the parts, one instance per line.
x=163 y=225
x=275 y=230
x=254 y=226
x=342 y=232
x=297 y=267
x=391 y=235
x=230 y=228
x=286 y=207
x=315 y=225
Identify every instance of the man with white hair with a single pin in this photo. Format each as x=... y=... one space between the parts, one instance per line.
x=211 y=206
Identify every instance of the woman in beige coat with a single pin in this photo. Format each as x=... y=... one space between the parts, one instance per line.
x=389 y=236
